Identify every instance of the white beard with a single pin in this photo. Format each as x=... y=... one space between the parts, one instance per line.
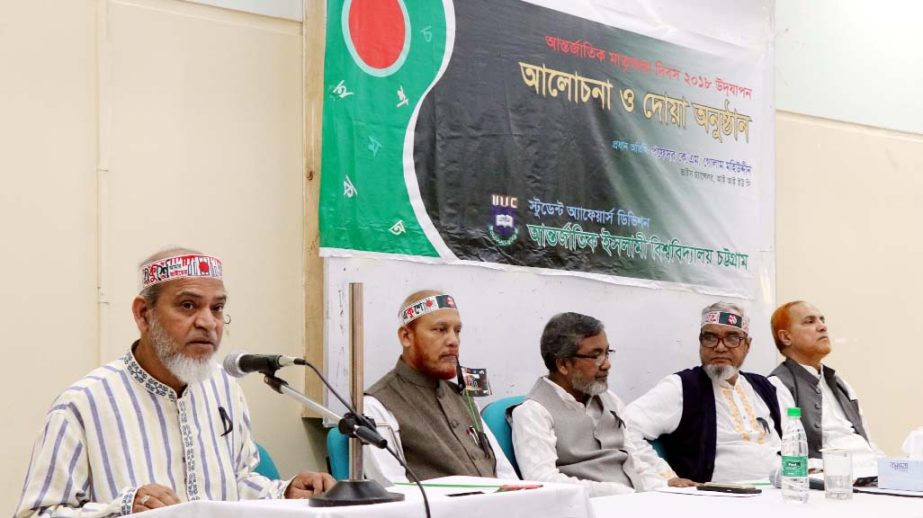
x=188 y=370
x=721 y=372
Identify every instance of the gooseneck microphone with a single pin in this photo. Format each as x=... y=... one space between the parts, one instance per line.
x=241 y=364
x=352 y=424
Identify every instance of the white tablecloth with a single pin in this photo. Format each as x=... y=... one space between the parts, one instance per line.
x=767 y=505
x=551 y=500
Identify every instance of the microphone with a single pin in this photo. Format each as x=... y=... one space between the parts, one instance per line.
x=239 y=365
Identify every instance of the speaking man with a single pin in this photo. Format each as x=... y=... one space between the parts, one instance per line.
x=430 y=421
x=830 y=409
x=162 y=424
x=716 y=423
x=571 y=429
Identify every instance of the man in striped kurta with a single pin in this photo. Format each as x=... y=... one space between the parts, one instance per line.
x=161 y=425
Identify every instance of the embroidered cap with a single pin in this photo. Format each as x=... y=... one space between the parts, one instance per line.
x=726 y=318
x=426 y=305
x=180 y=266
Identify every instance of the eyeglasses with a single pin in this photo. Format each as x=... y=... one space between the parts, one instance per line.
x=597 y=358
x=731 y=341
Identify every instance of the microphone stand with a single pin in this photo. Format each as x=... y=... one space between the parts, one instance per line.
x=355 y=491
x=360 y=428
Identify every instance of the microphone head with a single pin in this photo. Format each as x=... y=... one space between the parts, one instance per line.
x=232 y=365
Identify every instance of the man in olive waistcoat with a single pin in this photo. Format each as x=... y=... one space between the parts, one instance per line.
x=425 y=417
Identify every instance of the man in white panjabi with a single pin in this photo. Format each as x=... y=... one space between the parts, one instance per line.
x=161 y=425
x=715 y=422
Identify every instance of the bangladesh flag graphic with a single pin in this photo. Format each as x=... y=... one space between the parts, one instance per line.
x=382 y=57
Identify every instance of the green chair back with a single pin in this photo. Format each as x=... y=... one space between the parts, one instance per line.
x=495 y=415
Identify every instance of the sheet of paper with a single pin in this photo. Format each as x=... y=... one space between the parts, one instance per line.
x=691 y=491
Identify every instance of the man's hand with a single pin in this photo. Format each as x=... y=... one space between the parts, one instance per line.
x=306 y=483
x=153 y=496
x=681 y=482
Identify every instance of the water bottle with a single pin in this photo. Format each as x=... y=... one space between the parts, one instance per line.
x=794 y=459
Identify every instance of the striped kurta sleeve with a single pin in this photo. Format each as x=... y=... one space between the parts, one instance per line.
x=58 y=480
x=250 y=484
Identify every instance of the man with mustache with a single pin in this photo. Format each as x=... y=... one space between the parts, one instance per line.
x=716 y=423
x=430 y=421
x=161 y=425
x=830 y=410
x=570 y=428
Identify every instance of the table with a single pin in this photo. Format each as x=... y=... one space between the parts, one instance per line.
x=551 y=500
x=767 y=505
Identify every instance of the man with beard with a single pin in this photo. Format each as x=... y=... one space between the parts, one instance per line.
x=432 y=423
x=829 y=407
x=716 y=423
x=162 y=424
x=570 y=428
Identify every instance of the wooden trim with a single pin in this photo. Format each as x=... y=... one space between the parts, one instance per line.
x=313 y=36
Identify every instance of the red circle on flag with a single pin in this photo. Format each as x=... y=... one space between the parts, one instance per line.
x=203 y=267
x=377 y=30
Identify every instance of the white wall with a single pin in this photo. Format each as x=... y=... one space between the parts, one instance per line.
x=851 y=60
x=654 y=331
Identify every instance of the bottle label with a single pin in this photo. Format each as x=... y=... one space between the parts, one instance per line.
x=794 y=466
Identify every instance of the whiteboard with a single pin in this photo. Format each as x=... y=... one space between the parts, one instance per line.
x=653 y=331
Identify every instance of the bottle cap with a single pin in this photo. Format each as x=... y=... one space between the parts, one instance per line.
x=794 y=412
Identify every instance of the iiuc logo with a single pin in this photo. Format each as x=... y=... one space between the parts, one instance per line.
x=503 y=230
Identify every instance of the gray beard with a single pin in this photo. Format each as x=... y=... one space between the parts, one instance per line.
x=188 y=370
x=592 y=388
x=721 y=372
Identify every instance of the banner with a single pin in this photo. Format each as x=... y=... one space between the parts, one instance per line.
x=509 y=133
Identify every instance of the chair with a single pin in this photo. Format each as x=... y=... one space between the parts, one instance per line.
x=657 y=444
x=338 y=454
x=495 y=415
x=266 y=467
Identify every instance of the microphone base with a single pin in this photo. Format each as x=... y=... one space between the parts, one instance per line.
x=354 y=492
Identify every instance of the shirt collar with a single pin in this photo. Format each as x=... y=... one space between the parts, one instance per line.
x=813 y=371
x=726 y=384
x=141 y=376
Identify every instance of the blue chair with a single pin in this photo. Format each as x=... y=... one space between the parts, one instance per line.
x=495 y=415
x=266 y=467
x=657 y=444
x=338 y=454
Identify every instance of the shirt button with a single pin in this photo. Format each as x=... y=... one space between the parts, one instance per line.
x=454 y=423
x=817 y=425
x=817 y=406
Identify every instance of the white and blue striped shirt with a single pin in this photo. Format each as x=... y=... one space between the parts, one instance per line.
x=118 y=429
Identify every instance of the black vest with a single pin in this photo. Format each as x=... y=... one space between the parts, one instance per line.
x=690 y=449
x=805 y=388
